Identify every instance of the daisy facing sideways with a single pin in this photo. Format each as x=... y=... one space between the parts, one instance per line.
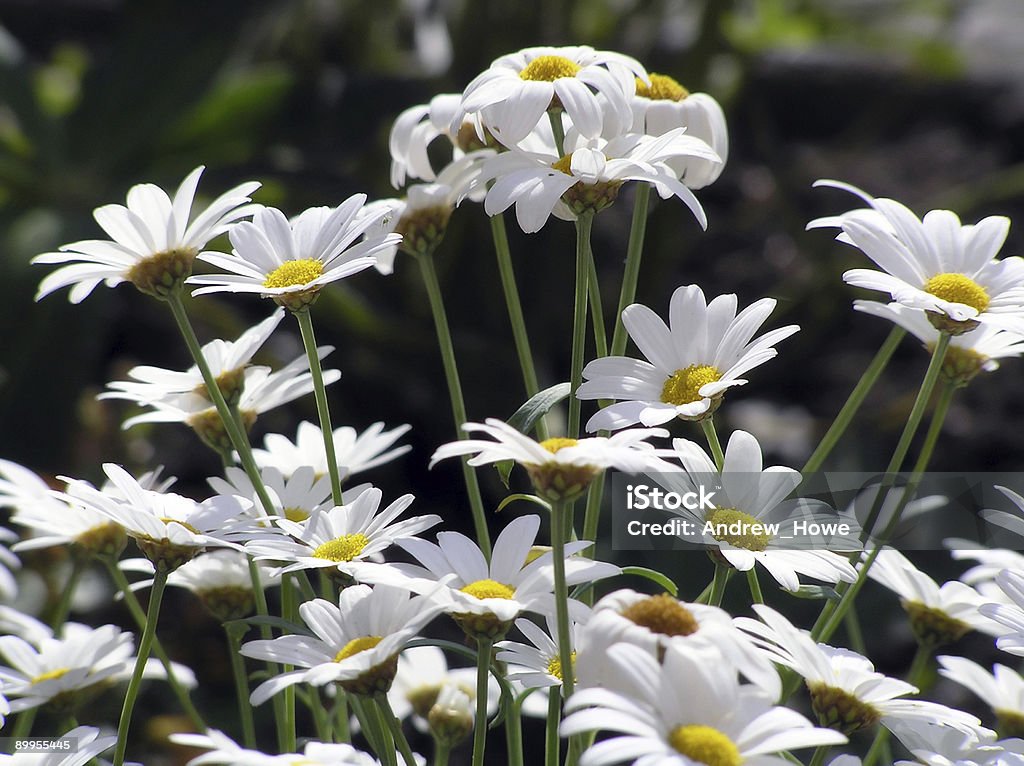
x=689 y=709
x=703 y=352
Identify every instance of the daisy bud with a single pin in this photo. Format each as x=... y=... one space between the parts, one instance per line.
x=451 y=717
x=933 y=627
x=210 y=428
x=838 y=709
x=422 y=230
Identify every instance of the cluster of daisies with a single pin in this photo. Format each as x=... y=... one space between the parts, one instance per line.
x=336 y=596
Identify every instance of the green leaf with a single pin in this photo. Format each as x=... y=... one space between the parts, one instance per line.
x=522 y=496
x=654 y=576
x=504 y=468
x=537 y=406
x=817 y=592
x=287 y=626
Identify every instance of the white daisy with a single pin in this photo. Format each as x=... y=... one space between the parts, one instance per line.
x=538 y=665
x=693 y=361
x=656 y=622
x=751 y=494
x=221 y=749
x=152 y=244
x=939 y=746
x=588 y=176
x=295 y=498
x=991 y=561
x=968 y=354
x=356 y=642
x=355 y=451
x=88 y=745
x=665 y=105
x=8 y=562
x=688 y=710
x=936 y=264
x=560 y=468
x=16 y=623
x=1002 y=689
x=342 y=538
x=938 y=615
x=1010 y=615
x=291 y=260
x=451 y=717
x=846 y=691
x=484 y=598
x=513 y=94
x=65 y=672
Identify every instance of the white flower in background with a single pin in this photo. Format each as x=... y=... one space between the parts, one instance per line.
x=1010 y=615
x=484 y=598
x=690 y=709
x=291 y=260
x=88 y=745
x=8 y=562
x=692 y=361
x=847 y=692
x=938 y=615
x=538 y=665
x=452 y=716
x=152 y=243
x=560 y=468
x=1002 y=689
x=753 y=495
x=356 y=641
x=655 y=622
x=1011 y=521
x=588 y=176
x=970 y=353
x=935 y=264
x=593 y=87
x=665 y=105
x=16 y=623
x=295 y=498
x=935 y=745
x=991 y=561
x=355 y=451
x=5 y=709
x=343 y=538
x=63 y=672
x=221 y=749
x=228 y=361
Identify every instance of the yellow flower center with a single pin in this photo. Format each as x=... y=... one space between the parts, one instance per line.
x=549 y=69
x=555 y=666
x=357 y=645
x=489 y=589
x=662 y=614
x=189 y=527
x=957 y=288
x=344 y=548
x=50 y=675
x=558 y=442
x=662 y=88
x=563 y=164
x=301 y=514
x=705 y=744
x=292 y=273
x=739 y=529
x=684 y=385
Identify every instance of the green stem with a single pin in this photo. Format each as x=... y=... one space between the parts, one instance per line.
x=145 y=645
x=592 y=520
x=557 y=130
x=708 y=426
x=551 y=741
x=514 y=733
x=289 y=611
x=561 y=592
x=880 y=742
x=596 y=311
x=395 y=726
x=60 y=612
x=234 y=635
x=483 y=669
x=818 y=759
x=323 y=411
x=631 y=273
x=139 y=615
x=579 y=322
x=856 y=398
x=755 y=586
x=341 y=728
x=451 y=371
x=369 y=725
x=919 y=665
x=441 y=752
x=260 y=597
x=22 y=726
x=387 y=742
x=718 y=584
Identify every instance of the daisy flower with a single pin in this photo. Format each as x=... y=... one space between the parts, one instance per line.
x=1002 y=689
x=342 y=538
x=847 y=692
x=221 y=749
x=1010 y=615
x=692 y=362
x=749 y=493
x=451 y=717
x=8 y=562
x=665 y=105
x=690 y=709
x=588 y=176
x=291 y=260
x=592 y=87
x=935 y=264
x=991 y=561
x=938 y=746
x=356 y=642
x=152 y=242
x=88 y=745
x=295 y=498
x=560 y=468
x=537 y=665
x=484 y=598
x=655 y=622
x=65 y=672
x=968 y=354
x=355 y=451
x=938 y=615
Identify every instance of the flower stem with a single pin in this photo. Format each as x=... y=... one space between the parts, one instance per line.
x=395 y=726
x=265 y=633
x=441 y=752
x=584 y=223
x=564 y=637
x=515 y=312
x=596 y=312
x=483 y=669
x=856 y=398
x=145 y=644
x=755 y=586
x=60 y=612
x=818 y=759
x=323 y=411
x=557 y=130
x=708 y=426
x=718 y=584
x=234 y=634
x=387 y=742
x=631 y=273
x=451 y=371
x=289 y=611
x=551 y=741
x=514 y=733
x=592 y=520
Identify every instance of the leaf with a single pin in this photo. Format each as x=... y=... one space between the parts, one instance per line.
x=522 y=496
x=287 y=626
x=504 y=468
x=537 y=406
x=817 y=592
x=654 y=576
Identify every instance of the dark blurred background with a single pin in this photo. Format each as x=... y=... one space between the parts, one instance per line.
x=919 y=100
